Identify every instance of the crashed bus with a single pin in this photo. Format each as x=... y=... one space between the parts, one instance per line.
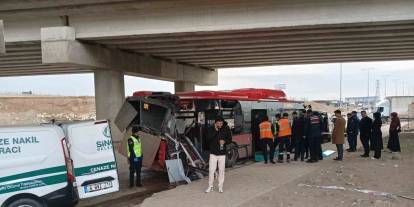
x=173 y=125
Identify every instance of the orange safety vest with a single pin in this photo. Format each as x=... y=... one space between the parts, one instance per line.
x=266 y=130
x=284 y=128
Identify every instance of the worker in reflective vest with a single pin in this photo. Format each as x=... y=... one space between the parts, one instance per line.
x=134 y=150
x=266 y=137
x=284 y=134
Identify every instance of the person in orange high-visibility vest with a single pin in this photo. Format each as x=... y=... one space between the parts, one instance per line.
x=266 y=137
x=284 y=134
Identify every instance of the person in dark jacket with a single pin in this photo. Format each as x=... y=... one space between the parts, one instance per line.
x=298 y=134
x=313 y=132
x=292 y=145
x=217 y=137
x=376 y=135
x=276 y=129
x=395 y=128
x=365 y=126
x=308 y=114
x=352 y=130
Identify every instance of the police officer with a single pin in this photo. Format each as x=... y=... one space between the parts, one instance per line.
x=298 y=134
x=134 y=150
x=313 y=131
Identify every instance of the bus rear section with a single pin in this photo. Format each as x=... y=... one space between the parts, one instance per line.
x=35 y=167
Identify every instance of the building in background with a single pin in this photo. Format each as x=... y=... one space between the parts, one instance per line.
x=363 y=100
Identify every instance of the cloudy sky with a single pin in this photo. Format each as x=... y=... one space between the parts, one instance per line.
x=317 y=81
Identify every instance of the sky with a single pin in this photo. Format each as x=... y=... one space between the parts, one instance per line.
x=311 y=82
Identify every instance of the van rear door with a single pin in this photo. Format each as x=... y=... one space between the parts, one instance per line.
x=91 y=149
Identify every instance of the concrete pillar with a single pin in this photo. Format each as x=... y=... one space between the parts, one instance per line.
x=109 y=97
x=183 y=86
x=2 y=41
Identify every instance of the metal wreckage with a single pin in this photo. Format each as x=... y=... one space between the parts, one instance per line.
x=173 y=126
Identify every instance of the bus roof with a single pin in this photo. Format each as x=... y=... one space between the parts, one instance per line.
x=248 y=94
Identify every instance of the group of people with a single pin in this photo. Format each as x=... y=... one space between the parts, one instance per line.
x=371 y=134
x=303 y=137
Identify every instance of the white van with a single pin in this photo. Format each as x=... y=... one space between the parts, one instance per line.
x=49 y=165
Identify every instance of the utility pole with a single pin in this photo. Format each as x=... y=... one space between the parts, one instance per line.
x=368 y=82
x=403 y=87
x=385 y=84
x=377 y=89
x=396 y=87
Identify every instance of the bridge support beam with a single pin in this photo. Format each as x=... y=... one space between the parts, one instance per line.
x=60 y=48
x=181 y=86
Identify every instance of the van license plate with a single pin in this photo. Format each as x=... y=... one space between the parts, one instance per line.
x=97 y=187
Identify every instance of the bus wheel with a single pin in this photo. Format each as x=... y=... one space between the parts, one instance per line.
x=26 y=202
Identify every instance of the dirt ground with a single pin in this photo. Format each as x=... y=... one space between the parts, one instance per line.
x=296 y=184
x=27 y=110
x=393 y=173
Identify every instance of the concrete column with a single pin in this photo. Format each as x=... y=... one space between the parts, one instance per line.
x=109 y=97
x=2 y=41
x=183 y=86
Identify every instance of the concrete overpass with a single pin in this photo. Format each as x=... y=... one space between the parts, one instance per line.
x=186 y=41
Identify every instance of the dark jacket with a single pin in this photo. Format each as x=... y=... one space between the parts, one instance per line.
x=313 y=127
x=376 y=128
x=298 y=127
x=395 y=125
x=352 y=126
x=213 y=137
x=365 y=126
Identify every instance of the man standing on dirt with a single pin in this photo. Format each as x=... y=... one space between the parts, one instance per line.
x=134 y=151
x=365 y=127
x=352 y=132
x=313 y=132
x=298 y=134
x=338 y=137
x=217 y=137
